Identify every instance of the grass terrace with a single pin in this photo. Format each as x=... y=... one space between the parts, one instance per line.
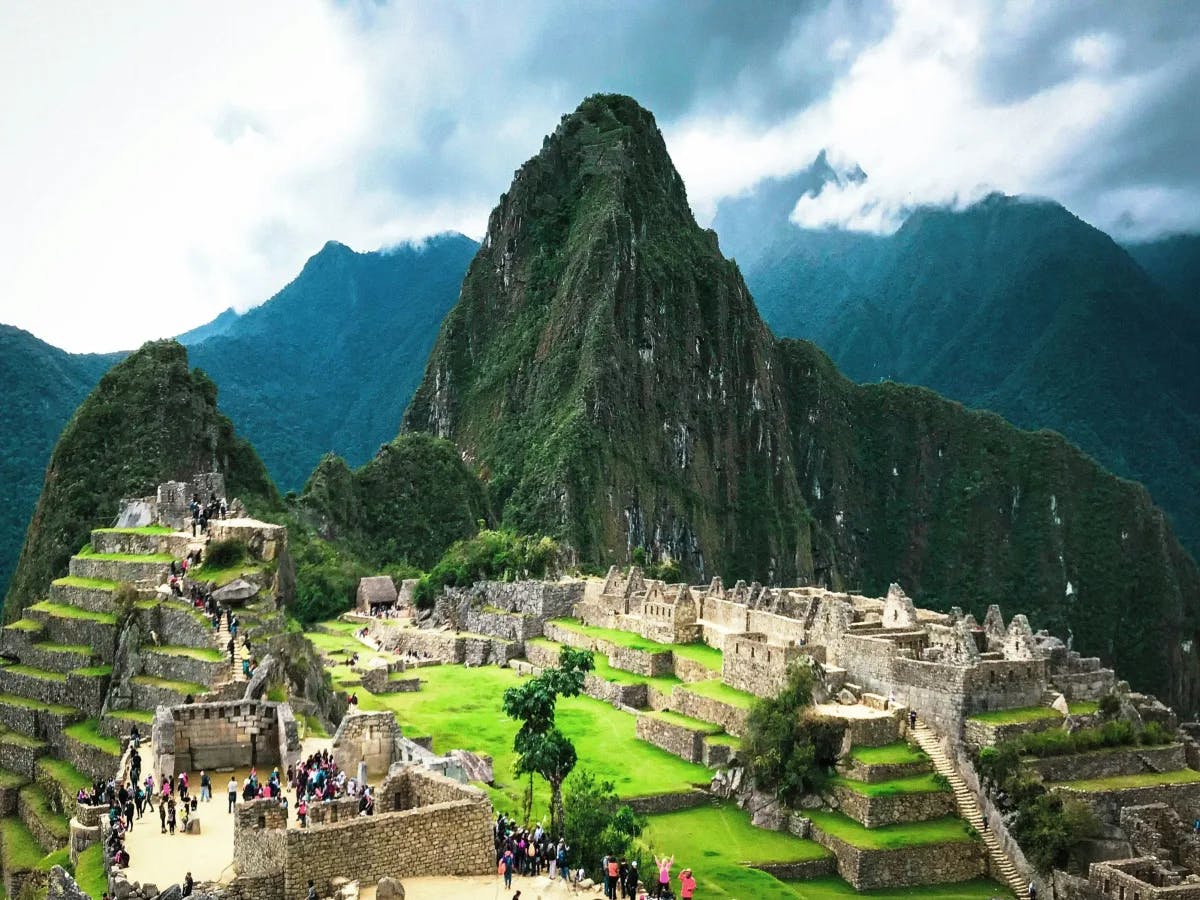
x=16 y=739
x=721 y=846
x=88 y=553
x=674 y=718
x=222 y=577
x=205 y=654
x=89 y=871
x=92 y=584
x=76 y=649
x=312 y=726
x=460 y=707
x=709 y=657
x=1083 y=707
x=141 y=716
x=11 y=779
x=87 y=732
x=57 y=858
x=63 y=611
x=19 y=850
x=1121 y=782
x=181 y=687
x=723 y=739
x=93 y=671
x=143 y=529
x=928 y=783
x=899 y=753
x=70 y=779
x=24 y=625
x=31 y=672
x=24 y=702
x=833 y=888
x=35 y=798
x=891 y=837
x=1021 y=716
x=665 y=683
x=719 y=690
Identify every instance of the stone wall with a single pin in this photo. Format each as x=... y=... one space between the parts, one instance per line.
x=20 y=757
x=328 y=811
x=632 y=696
x=988 y=734
x=690 y=670
x=681 y=700
x=91 y=761
x=1107 y=763
x=663 y=803
x=684 y=742
x=1137 y=879
x=178 y=667
x=176 y=623
x=444 y=646
x=750 y=664
x=223 y=734
x=90 y=598
x=910 y=866
x=42 y=724
x=890 y=809
x=100 y=636
x=118 y=570
x=1184 y=798
x=134 y=544
x=368 y=737
x=640 y=662
x=264 y=540
x=871 y=774
x=8 y=799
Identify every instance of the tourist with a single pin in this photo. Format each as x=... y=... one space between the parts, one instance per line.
x=612 y=868
x=631 y=880
x=302 y=812
x=205 y=786
x=232 y=791
x=912 y=718
x=664 y=873
x=187 y=807
x=561 y=859
x=233 y=625
x=188 y=883
x=312 y=890
x=506 y=868
x=687 y=884
x=232 y=648
x=162 y=817
x=171 y=816
x=1032 y=891
x=135 y=737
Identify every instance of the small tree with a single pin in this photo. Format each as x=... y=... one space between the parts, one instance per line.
x=790 y=749
x=541 y=748
x=596 y=822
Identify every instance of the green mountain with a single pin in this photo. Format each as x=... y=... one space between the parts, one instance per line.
x=149 y=420
x=42 y=387
x=329 y=363
x=1174 y=264
x=1011 y=305
x=607 y=372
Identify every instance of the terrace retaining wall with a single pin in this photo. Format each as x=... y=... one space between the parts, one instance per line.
x=892 y=809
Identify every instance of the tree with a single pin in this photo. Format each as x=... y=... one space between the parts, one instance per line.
x=541 y=748
x=597 y=822
x=789 y=748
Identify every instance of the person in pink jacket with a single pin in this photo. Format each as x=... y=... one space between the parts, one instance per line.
x=687 y=884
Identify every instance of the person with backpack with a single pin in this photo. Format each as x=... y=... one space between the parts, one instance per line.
x=506 y=868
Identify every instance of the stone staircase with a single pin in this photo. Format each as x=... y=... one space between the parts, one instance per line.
x=221 y=641
x=1002 y=867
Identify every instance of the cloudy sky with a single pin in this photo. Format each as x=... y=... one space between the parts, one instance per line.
x=160 y=162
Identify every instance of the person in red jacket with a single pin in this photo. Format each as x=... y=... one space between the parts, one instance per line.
x=687 y=884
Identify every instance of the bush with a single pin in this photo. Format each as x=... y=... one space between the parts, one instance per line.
x=1110 y=705
x=1047 y=827
x=791 y=750
x=597 y=822
x=501 y=555
x=223 y=554
x=1059 y=742
x=1154 y=734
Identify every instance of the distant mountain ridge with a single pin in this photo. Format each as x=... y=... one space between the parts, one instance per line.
x=1013 y=305
x=606 y=370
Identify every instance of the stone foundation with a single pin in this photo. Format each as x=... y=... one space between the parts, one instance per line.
x=909 y=867
x=678 y=739
x=1108 y=763
x=892 y=809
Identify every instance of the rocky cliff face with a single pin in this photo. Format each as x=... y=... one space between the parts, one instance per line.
x=149 y=420
x=606 y=370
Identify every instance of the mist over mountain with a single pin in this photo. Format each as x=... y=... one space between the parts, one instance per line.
x=606 y=371
x=1013 y=305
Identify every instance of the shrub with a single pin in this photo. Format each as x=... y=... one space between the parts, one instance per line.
x=1110 y=705
x=597 y=822
x=223 y=554
x=1153 y=734
x=501 y=555
x=1048 y=826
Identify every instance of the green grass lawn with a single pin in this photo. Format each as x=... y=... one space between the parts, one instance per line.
x=347 y=628
x=16 y=739
x=1145 y=779
x=181 y=687
x=461 y=707
x=602 y=669
x=93 y=584
x=75 y=649
x=899 y=753
x=141 y=716
x=1083 y=707
x=727 y=740
x=24 y=625
x=833 y=888
x=57 y=858
x=87 y=732
x=89 y=871
x=63 y=611
x=12 y=779
x=222 y=577
x=675 y=718
x=31 y=672
x=717 y=843
x=890 y=837
x=928 y=783
x=699 y=652
x=719 y=690
x=1017 y=716
x=93 y=671
x=206 y=654
x=313 y=726
x=709 y=657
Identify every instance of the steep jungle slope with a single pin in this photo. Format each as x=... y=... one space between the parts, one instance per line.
x=149 y=420
x=607 y=372
x=42 y=387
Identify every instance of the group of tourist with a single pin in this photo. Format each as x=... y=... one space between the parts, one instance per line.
x=203 y=513
x=319 y=779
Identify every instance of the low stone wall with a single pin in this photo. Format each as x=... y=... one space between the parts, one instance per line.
x=47 y=835
x=802 y=871
x=91 y=761
x=873 y=774
x=152 y=696
x=19 y=757
x=51 y=660
x=183 y=668
x=445 y=646
x=907 y=867
x=87 y=692
x=640 y=662
x=890 y=809
x=176 y=623
x=874 y=731
x=986 y=734
x=680 y=740
x=100 y=636
x=61 y=798
x=330 y=811
x=368 y=737
x=632 y=696
x=664 y=803
x=215 y=735
x=731 y=718
x=8 y=800
x=541 y=654
x=133 y=544
x=690 y=670
x=512 y=626
x=1108 y=763
x=718 y=756
x=1183 y=798
x=44 y=690
x=379 y=680
x=131 y=571
x=39 y=723
x=89 y=598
